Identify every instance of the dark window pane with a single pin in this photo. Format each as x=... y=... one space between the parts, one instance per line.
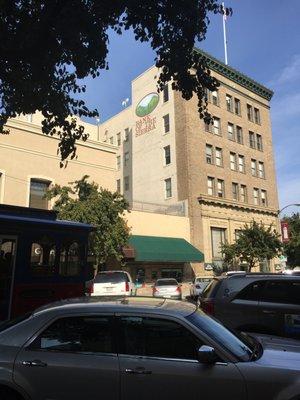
x=251 y=292
x=37 y=193
x=282 y=292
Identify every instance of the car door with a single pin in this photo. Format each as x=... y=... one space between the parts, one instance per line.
x=158 y=360
x=73 y=358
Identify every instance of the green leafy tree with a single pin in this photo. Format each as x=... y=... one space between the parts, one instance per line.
x=48 y=46
x=86 y=202
x=255 y=243
x=292 y=248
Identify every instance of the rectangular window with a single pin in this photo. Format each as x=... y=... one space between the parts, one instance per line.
x=166 y=123
x=237 y=106
x=126 y=183
x=219 y=157
x=263 y=196
x=233 y=165
x=216 y=126
x=220 y=188
x=118 y=162
x=166 y=93
x=208 y=127
x=230 y=130
x=256 y=116
x=259 y=142
x=256 y=196
x=253 y=167
x=38 y=190
x=235 y=191
x=168 y=188
x=1 y=183
x=249 y=112
x=215 y=97
x=261 y=169
x=209 y=154
x=127 y=133
x=243 y=193
x=119 y=139
x=167 y=153
x=229 y=103
x=252 y=140
x=126 y=158
x=210 y=186
x=241 y=163
x=239 y=135
x=218 y=237
x=119 y=185
x=111 y=140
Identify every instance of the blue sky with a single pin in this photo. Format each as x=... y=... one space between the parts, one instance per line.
x=263 y=43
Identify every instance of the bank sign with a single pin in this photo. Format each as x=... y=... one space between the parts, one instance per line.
x=146 y=106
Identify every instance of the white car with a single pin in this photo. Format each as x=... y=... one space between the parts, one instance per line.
x=198 y=285
x=112 y=283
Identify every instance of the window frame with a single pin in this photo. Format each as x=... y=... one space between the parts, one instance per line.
x=250 y=112
x=166 y=119
x=233 y=162
x=167 y=155
x=239 y=134
x=126 y=180
x=166 y=181
x=209 y=156
x=229 y=103
x=126 y=158
x=237 y=106
x=213 y=189
x=166 y=96
x=220 y=151
x=42 y=180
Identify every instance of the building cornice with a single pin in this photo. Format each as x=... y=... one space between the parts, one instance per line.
x=235 y=76
x=237 y=206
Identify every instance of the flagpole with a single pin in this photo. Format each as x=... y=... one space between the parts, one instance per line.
x=224 y=33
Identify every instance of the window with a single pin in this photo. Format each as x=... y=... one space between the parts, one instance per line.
x=241 y=163
x=168 y=188
x=237 y=106
x=1 y=183
x=70 y=260
x=253 y=167
x=263 y=196
x=42 y=258
x=127 y=134
x=126 y=183
x=111 y=140
x=218 y=237
x=119 y=139
x=166 y=93
x=282 y=292
x=219 y=157
x=209 y=154
x=256 y=116
x=259 y=142
x=126 y=158
x=252 y=291
x=220 y=188
x=243 y=193
x=239 y=135
x=119 y=185
x=118 y=162
x=208 y=127
x=88 y=334
x=215 y=97
x=38 y=190
x=252 y=140
x=261 y=169
x=156 y=337
x=249 y=112
x=235 y=191
x=256 y=196
x=167 y=152
x=233 y=165
x=216 y=126
x=229 y=103
x=230 y=130
x=166 y=123
x=211 y=186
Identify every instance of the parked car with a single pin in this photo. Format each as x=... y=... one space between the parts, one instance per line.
x=124 y=349
x=266 y=303
x=112 y=283
x=198 y=285
x=168 y=288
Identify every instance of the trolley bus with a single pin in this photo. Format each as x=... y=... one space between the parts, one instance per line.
x=42 y=259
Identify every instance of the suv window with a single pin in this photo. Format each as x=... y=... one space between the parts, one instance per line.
x=252 y=291
x=153 y=337
x=211 y=288
x=77 y=334
x=113 y=277
x=282 y=292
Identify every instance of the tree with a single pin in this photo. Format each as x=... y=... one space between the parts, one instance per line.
x=86 y=202
x=47 y=46
x=292 y=248
x=254 y=244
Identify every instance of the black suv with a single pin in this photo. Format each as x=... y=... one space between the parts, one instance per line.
x=263 y=303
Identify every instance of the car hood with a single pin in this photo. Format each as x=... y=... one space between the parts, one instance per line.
x=279 y=352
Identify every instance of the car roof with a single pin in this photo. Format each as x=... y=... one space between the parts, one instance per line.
x=258 y=275
x=120 y=304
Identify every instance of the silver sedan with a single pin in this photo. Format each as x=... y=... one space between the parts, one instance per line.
x=167 y=288
x=140 y=348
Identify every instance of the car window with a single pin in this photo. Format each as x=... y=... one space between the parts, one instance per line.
x=211 y=288
x=251 y=292
x=145 y=336
x=113 y=277
x=77 y=334
x=166 y=282
x=282 y=292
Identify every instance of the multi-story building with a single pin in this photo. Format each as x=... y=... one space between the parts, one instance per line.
x=222 y=175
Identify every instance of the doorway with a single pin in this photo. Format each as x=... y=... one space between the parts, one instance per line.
x=7 y=265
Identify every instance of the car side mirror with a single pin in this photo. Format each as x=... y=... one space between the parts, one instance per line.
x=207 y=355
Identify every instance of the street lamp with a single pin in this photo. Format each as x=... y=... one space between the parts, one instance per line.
x=289 y=205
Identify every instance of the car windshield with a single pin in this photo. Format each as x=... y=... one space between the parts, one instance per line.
x=239 y=347
x=8 y=324
x=166 y=282
x=111 y=277
x=199 y=280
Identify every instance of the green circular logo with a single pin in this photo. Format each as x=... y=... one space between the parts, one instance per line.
x=147 y=105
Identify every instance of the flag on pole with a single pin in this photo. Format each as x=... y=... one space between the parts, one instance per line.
x=224 y=12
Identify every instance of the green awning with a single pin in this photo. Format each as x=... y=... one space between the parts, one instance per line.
x=164 y=249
